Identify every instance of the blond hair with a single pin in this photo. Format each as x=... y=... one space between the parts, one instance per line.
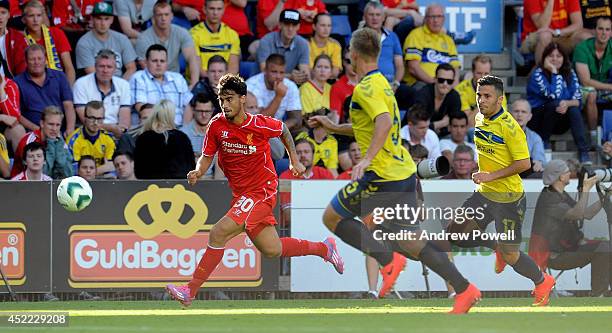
x=162 y=118
x=366 y=43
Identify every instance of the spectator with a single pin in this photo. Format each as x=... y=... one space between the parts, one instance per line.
x=268 y=14
x=212 y=37
x=557 y=240
x=440 y=99
x=13 y=62
x=58 y=160
x=343 y=88
x=91 y=140
x=176 y=40
x=593 y=62
x=196 y=129
x=554 y=95
x=124 y=165
x=481 y=66
x=10 y=105
x=458 y=129
x=56 y=46
x=277 y=96
x=40 y=87
x=102 y=37
x=162 y=151
x=418 y=131
x=406 y=12
x=72 y=16
x=305 y=151
x=558 y=21
x=355 y=155
x=308 y=10
x=5 y=167
x=287 y=43
x=86 y=168
x=325 y=144
x=251 y=104
x=428 y=46
x=113 y=91
x=156 y=82
x=463 y=163
x=521 y=111
x=217 y=67
x=16 y=13
x=34 y=160
x=321 y=43
x=593 y=10
x=127 y=142
x=235 y=18
x=132 y=16
x=315 y=93
x=277 y=148
x=191 y=10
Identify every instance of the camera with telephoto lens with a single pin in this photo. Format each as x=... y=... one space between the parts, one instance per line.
x=603 y=174
x=434 y=167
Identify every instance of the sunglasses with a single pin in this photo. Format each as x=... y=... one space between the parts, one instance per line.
x=448 y=81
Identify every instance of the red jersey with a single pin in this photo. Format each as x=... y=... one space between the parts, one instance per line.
x=62 y=13
x=18 y=165
x=195 y=4
x=339 y=92
x=17 y=4
x=560 y=16
x=312 y=5
x=236 y=19
x=264 y=9
x=244 y=151
x=346 y=175
x=10 y=106
x=317 y=173
x=394 y=3
x=59 y=38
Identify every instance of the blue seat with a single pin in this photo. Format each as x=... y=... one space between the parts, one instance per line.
x=282 y=165
x=248 y=69
x=606 y=125
x=341 y=26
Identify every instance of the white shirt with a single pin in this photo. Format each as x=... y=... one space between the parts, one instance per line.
x=291 y=102
x=86 y=89
x=431 y=141
x=448 y=144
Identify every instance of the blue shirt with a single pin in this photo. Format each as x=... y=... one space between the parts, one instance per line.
x=34 y=98
x=296 y=54
x=389 y=49
x=535 y=145
x=541 y=89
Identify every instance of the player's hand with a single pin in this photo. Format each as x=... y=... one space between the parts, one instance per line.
x=280 y=89
x=193 y=176
x=481 y=177
x=323 y=121
x=537 y=166
x=359 y=169
x=297 y=168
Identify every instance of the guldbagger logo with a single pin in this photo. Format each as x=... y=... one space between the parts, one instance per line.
x=151 y=253
x=12 y=252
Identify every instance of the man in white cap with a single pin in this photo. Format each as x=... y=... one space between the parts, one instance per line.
x=556 y=239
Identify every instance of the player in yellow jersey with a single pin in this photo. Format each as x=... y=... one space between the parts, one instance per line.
x=385 y=176
x=502 y=155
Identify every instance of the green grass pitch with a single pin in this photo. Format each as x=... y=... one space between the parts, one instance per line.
x=588 y=315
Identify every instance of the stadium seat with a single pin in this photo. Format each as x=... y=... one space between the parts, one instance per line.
x=248 y=69
x=606 y=125
x=281 y=165
x=341 y=26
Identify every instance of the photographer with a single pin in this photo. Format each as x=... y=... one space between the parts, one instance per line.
x=557 y=240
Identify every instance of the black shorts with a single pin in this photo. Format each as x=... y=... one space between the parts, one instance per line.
x=508 y=216
x=359 y=198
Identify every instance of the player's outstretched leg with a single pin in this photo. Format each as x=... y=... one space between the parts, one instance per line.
x=267 y=241
x=220 y=234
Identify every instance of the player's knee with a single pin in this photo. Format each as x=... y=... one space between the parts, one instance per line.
x=217 y=237
x=331 y=219
x=271 y=251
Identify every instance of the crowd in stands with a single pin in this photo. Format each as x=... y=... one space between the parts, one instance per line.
x=125 y=89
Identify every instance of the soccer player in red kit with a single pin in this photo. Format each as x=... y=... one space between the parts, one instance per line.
x=241 y=142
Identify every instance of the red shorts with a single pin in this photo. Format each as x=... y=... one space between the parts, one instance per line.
x=255 y=210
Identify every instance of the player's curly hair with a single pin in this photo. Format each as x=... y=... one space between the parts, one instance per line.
x=491 y=80
x=232 y=83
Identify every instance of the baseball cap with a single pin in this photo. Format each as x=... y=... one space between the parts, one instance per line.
x=290 y=16
x=5 y=4
x=102 y=8
x=553 y=170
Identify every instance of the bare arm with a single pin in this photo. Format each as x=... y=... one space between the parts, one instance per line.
x=239 y=3
x=271 y=21
x=585 y=78
x=331 y=126
x=399 y=67
x=68 y=67
x=513 y=169
x=576 y=24
x=543 y=19
x=4 y=168
x=414 y=68
x=89 y=70
x=287 y=140
x=104 y=168
x=382 y=126
x=194 y=65
x=202 y=166
x=70 y=116
x=126 y=26
x=28 y=124
x=130 y=68
x=271 y=109
x=234 y=64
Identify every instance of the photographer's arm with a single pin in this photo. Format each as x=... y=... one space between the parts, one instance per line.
x=580 y=210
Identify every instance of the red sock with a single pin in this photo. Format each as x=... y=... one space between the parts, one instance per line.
x=293 y=247
x=211 y=258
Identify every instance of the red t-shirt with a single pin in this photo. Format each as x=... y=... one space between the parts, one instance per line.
x=16 y=9
x=346 y=175
x=314 y=5
x=59 y=37
x=195 y=4
x=243 y=151
x=394 y=3
x=18 y=165
x=317 y=173
x=339 y=92
x=236 y=19
x=264 y=9
x=560 y=17
x=62 y=13
x=11 y=105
